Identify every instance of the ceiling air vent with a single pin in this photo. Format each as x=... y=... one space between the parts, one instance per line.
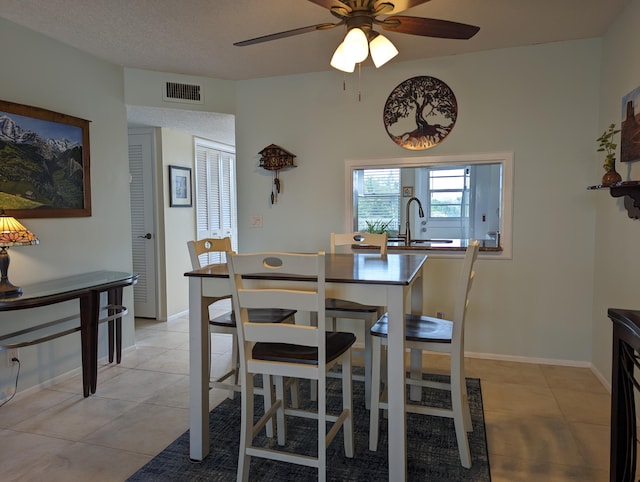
x=184 y=93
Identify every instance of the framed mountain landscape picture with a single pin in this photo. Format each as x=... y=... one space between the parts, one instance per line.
x=44 y=163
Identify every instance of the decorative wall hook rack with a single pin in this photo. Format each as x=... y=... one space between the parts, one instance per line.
x=274 y=158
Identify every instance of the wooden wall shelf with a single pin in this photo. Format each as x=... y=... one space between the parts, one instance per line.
x=631 y=192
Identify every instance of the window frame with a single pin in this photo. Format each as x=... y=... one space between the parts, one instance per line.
x=506 y=159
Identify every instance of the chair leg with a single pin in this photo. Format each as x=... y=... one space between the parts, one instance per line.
x=281 y=429
x=293 y=383
x=234 y=364
x=457 y=405
x=267 y=394
x=322 y=429
x=415 y=391
x=313 y=393
x=466 y=410
x=347 y=404
x=246 y=430
x=374 y=412
x=461 y=432
x=367 y=362
x=294 y=386
x=209 y=345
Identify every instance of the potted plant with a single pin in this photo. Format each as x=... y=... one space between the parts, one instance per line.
x=378 y=227
x=606 y=144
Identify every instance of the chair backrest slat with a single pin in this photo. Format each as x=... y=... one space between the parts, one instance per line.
x=276 y=298
x=359 y=238
x=281 y=333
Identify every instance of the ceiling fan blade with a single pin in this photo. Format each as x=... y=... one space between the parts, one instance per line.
x=429 y=27
x=286 y=33
x=329 y=4
x=401 y=5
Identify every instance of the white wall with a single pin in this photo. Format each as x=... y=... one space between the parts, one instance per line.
x=180 y=226
x=541 y=102
x=41 y=72
x=617 y=238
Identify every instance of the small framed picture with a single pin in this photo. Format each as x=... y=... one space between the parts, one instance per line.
x=180 y=187
x=407 y=191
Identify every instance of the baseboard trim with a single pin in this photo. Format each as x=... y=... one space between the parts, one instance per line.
x=543 y=361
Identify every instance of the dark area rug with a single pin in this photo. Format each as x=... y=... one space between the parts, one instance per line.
x=432 y=448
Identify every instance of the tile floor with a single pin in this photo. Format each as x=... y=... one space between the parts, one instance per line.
x=544 y=423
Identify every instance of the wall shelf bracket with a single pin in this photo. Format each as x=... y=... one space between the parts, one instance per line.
x=630 y=190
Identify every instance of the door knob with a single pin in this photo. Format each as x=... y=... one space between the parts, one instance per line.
x=147 y=236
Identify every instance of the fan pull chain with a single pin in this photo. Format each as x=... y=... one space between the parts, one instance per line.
x=359 y=83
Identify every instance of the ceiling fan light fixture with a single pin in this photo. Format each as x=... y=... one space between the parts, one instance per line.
x=356 y=45
x=340 y=61
x=382 y=50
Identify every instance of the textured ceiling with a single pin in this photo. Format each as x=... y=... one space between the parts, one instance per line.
x=195 y=37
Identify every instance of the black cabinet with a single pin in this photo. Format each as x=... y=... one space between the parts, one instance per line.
x=624 y=385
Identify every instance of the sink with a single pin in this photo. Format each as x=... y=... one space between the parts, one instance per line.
x=419 y=241
x=401 y=241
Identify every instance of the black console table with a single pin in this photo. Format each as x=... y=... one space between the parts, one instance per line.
x=86 y=288
x=626 y=353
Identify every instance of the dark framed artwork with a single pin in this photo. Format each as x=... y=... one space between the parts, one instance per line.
x=420 y=113
x=630 y=127
x=44 y=163
x=180 y=187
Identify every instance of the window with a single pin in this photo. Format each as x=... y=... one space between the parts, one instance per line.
x=463 y=197
x=377 y=198
x=216 y=215
x=448 y=192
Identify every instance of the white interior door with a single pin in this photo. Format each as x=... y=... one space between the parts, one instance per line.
x=143 y=230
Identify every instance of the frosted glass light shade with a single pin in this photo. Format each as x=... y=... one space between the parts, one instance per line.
x=340 y=61
x=355 y=45
x=382 y=50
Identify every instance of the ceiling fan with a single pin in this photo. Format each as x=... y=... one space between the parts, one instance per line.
x=359 y=17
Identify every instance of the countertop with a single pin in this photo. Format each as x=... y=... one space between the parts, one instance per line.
x=396 y=244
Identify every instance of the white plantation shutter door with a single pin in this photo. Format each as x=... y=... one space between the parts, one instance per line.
x=141 y=192
x=215 y=195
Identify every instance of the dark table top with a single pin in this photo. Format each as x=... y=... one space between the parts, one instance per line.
x=69 y=287
x=399 y=269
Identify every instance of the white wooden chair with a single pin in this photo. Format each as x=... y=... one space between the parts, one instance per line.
x=284 y=350
x=336 y=308
x=436 y=335
x=199 y=252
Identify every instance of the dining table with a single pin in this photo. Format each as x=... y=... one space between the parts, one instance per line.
x=392 y=280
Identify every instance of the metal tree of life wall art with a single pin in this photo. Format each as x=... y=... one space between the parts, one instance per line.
x=420 y=113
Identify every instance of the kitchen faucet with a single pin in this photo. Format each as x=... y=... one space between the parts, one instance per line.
x=407 y=232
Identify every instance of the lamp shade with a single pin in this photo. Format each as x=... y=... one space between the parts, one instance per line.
x=355 y=45
x=382 y=50
x=13 y=233
x=340 y=61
